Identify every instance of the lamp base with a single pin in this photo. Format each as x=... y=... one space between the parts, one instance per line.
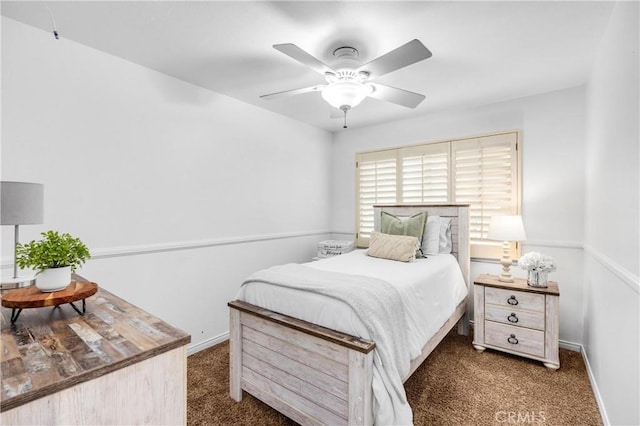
x=17 y=282
x=505 y=279
x=506 y=262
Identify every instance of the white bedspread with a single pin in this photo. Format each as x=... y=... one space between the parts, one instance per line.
x=430 y=289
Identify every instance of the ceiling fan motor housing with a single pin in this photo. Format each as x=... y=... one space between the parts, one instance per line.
x=347 y=64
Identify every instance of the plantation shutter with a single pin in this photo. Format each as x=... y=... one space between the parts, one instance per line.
x=486 y=177
x=425 y=173
x=376 y=183
x=481 y=171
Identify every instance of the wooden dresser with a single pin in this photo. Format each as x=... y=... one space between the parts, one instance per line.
x=517 y=318
x=116 y=364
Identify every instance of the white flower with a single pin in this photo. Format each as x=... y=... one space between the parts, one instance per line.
x=534 y=261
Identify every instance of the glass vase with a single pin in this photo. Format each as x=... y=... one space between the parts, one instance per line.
x=537 y=278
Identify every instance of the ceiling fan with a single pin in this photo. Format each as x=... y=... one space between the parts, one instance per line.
x=349 y=82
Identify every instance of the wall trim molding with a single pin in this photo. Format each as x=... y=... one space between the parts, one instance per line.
x=575 y=245
x=207 y=343
x=594 y=387
x=351 y=233
x=626 y=276
x=134 y=250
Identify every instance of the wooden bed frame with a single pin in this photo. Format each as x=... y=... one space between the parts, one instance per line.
x=315 y=375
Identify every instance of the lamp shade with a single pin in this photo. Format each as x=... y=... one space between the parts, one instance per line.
x=506 y=228
x=21 y=203
x=345 y=93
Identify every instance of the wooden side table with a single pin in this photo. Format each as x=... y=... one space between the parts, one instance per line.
x=31 y=297
x=517 y=318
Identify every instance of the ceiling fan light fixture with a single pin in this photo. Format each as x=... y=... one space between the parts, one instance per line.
x=345 y=93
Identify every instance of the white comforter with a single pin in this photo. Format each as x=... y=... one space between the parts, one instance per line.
x=430 y=289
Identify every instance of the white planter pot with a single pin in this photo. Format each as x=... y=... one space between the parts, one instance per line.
x=54 y=279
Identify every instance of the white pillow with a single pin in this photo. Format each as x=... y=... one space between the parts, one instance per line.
x=444 y=240
x=437 y=236
x=431 y=237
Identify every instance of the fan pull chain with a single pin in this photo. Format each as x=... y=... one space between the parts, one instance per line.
x=53 y=21
x=344 y=109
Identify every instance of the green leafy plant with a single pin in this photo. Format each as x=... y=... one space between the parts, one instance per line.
x=54 y=250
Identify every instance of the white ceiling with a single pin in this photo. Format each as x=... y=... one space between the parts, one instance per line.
x=483 y=52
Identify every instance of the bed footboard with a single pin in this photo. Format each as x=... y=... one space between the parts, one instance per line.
x=309 y=373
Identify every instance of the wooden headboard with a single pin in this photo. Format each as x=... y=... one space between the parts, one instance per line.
x=459 y=214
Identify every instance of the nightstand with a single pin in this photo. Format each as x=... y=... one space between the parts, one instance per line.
x=516 y=318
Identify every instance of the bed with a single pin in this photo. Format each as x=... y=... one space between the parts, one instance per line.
x=311 y=360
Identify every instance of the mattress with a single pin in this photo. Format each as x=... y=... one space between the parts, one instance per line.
x=430 y=289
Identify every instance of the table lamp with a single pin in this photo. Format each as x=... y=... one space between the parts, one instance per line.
x=506 y=229
x=21 y=203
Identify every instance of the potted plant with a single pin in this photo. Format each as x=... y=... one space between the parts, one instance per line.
x=54 y=257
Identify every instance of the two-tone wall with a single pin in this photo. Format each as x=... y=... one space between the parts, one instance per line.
x=552 y=127
x=179 y=192
x=612 y=233
x=580 y=190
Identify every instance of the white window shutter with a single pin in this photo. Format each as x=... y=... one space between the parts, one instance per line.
x=483 y=172
x=376 y=180
x=486 y=178
x=424 y=173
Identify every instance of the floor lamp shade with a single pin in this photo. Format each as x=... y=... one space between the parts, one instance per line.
x=21 y=203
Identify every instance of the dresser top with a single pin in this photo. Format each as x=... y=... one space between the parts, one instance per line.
x=519 y=284
x=50 y=349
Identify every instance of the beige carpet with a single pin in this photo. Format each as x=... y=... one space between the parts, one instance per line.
x=455 y=386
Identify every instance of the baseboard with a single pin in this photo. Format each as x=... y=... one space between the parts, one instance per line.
x=577 y=347
x=572 y=346
x=197 y=347
x=594 y=386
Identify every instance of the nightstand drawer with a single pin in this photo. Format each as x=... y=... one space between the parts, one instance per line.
x=515 y=317
x=514 y=338
x=513 y=299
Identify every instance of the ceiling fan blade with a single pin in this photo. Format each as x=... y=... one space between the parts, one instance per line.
x=277 y=95
x=405 y=55
x=303 y=57
x=396 y=96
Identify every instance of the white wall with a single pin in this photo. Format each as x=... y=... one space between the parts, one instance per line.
x=612 y=289
x=179 y=192
x=552 y=128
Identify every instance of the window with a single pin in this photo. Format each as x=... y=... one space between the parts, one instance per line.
x=425 y=173
x=482 y=171
x=376 y=185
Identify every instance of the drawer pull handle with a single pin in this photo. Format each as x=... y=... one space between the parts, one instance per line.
x=513 y=318
x=512 y=300
x=512 y=339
